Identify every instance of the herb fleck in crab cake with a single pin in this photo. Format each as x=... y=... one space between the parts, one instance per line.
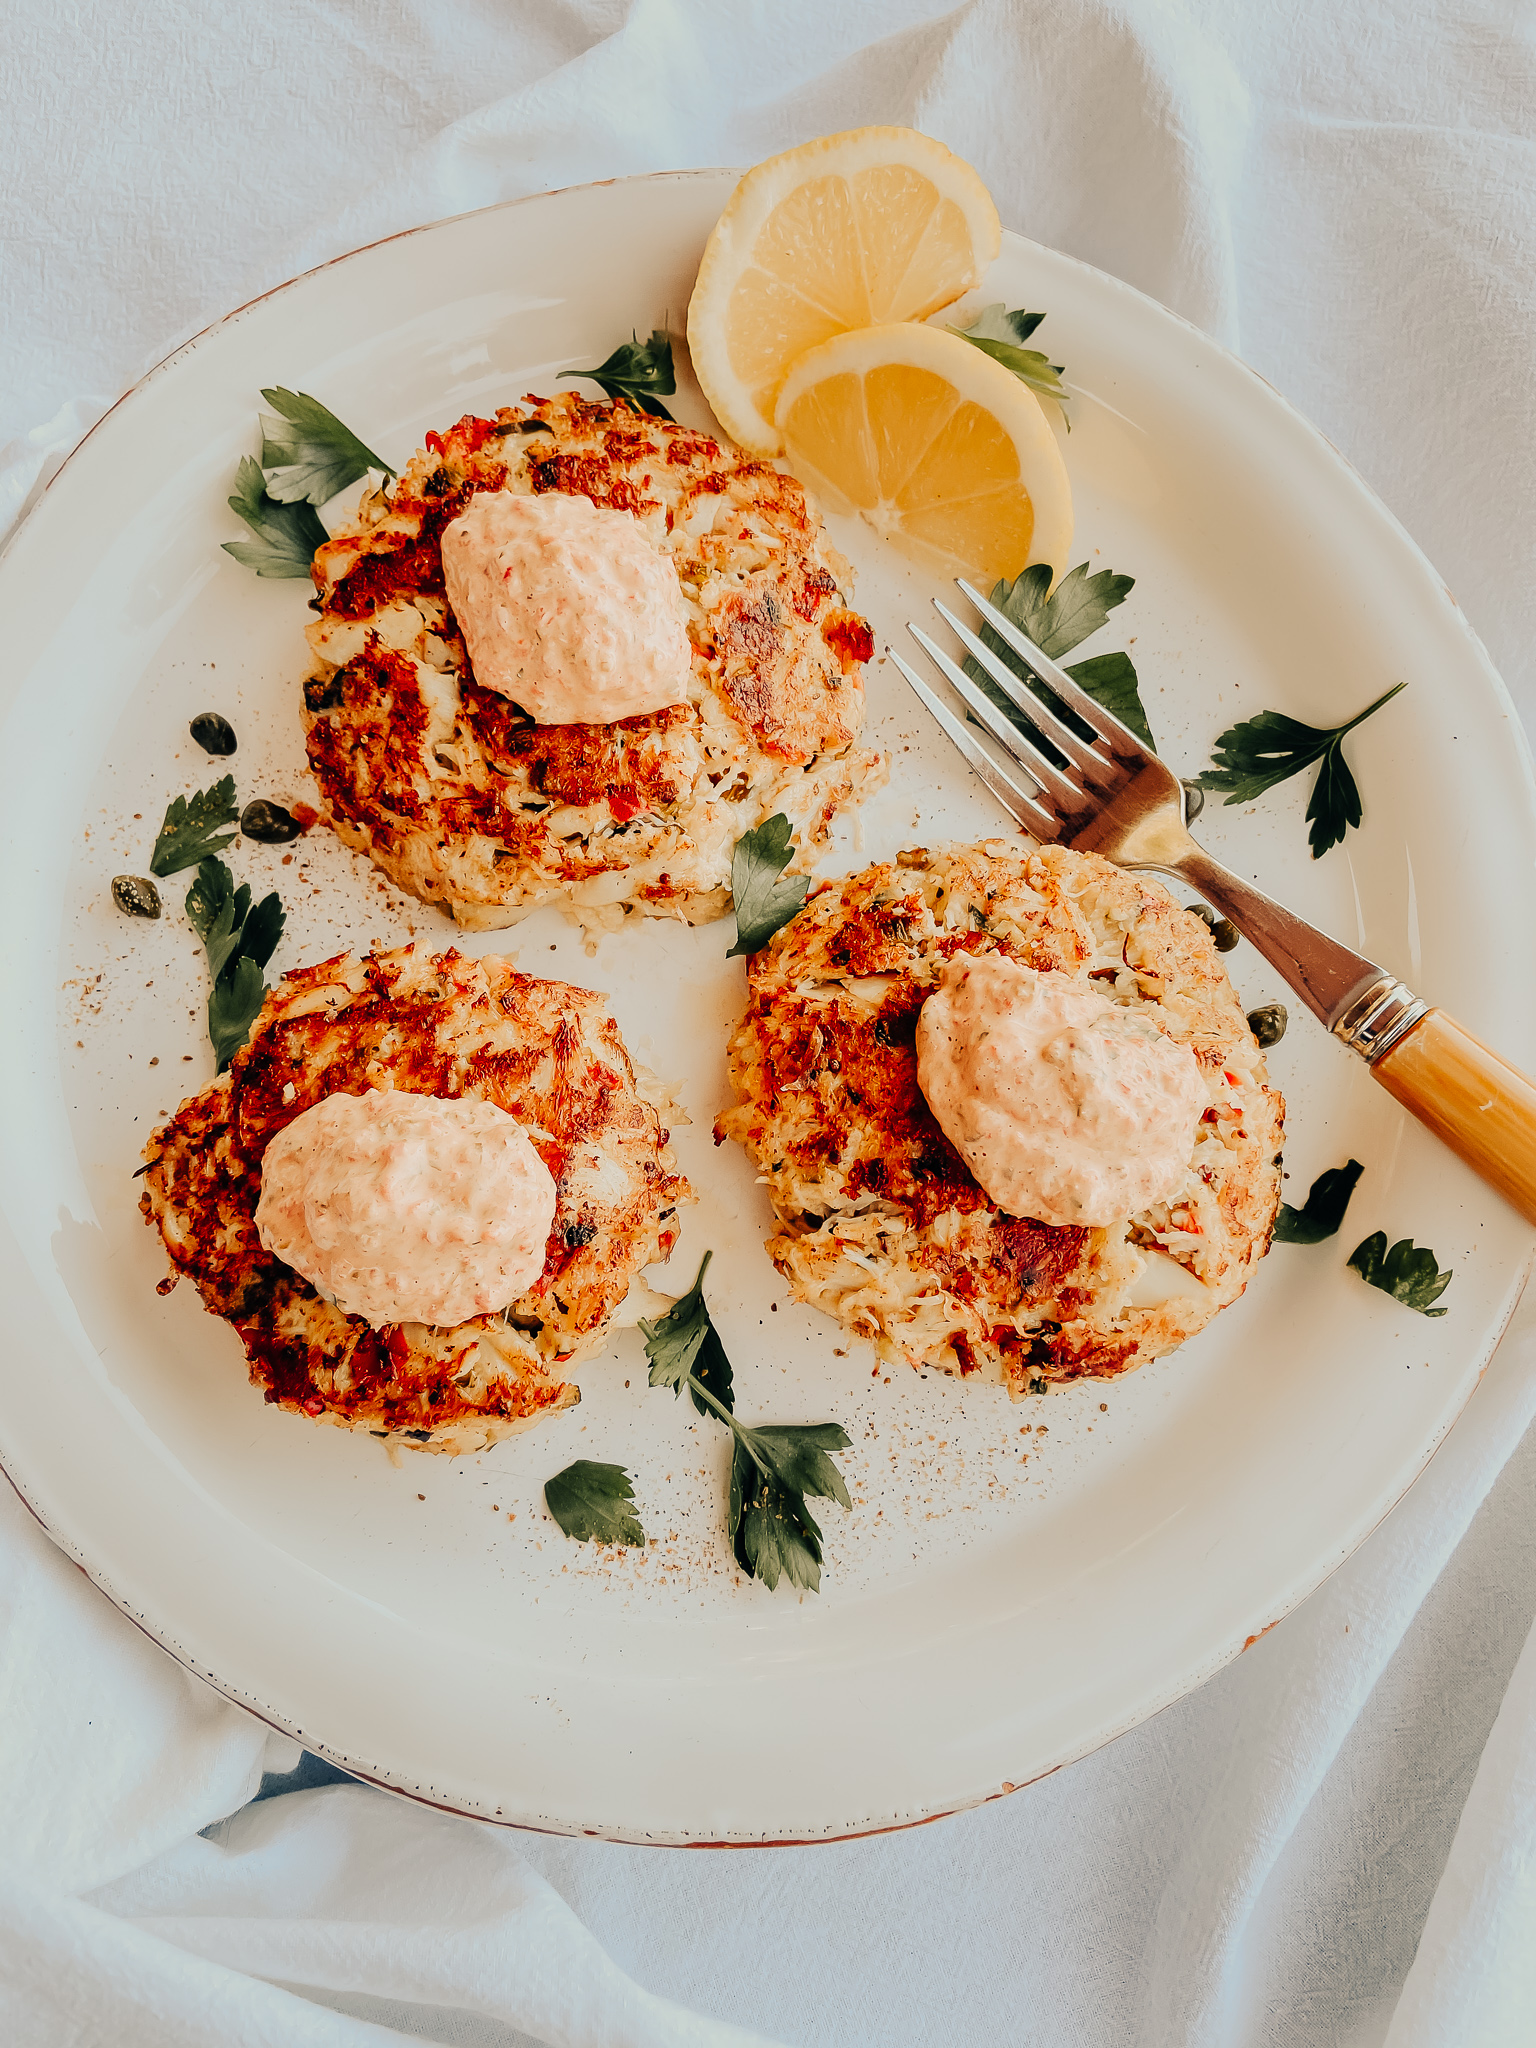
x=470 y=1031
x=881 y=1222
x=469 y=803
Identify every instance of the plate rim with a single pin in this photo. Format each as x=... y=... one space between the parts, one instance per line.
x=1138 y=1714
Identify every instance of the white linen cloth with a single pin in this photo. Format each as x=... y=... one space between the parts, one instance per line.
x=1348 y=197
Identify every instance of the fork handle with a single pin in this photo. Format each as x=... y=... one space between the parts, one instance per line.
x=1474 y=1102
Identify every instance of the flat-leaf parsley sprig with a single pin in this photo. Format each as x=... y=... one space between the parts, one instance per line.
x=762 y=901
x=1408 y=1272
x=1057 y=621
x=774 y=1468
x=595 y=1504
x=286 y=535
x=192 y=828
x=239 y=941
x=1001 y=335
x=640 y=371
x=307 y=456
x=1322 y=1213
x=1255 y=754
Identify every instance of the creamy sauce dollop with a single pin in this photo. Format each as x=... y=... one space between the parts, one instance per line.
x=407 y=1208
x=566 y=608
x=1067 y=1107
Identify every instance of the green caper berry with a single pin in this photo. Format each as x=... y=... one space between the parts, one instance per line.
x=1268 y=1023
x=269 y=823
x=213 y=733
x=135 y=896
x=1224 y=933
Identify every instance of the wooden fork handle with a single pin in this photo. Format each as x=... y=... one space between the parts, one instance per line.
x=1476 y=1103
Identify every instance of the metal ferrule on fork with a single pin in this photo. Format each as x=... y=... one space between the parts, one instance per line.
x=1378 y=1017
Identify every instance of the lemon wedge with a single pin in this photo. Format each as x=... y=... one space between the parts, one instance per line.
x=853 y=230
x=946 y=454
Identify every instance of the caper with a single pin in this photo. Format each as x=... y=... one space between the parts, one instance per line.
x=1194 y=801
x=1268 y=1023
x=269 y=822
x=1224 y=933
x=135 y=895
x=213 y=733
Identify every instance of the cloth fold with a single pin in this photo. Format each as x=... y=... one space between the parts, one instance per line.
x=1474 y=1977
x=1344 y=195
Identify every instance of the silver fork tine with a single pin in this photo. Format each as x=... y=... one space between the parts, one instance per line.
x=1050 y=778
x=1021 y=808
x=1094 y=767
x=1105 y=724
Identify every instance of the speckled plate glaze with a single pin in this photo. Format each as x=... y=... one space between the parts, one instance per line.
x=1014 y=1584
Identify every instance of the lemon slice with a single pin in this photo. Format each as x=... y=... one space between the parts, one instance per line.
x=854 y=230
x=946 y=454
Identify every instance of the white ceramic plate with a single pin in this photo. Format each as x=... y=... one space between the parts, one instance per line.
x=982 y=1618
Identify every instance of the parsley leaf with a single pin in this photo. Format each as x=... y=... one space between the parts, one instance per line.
x=672 y=1341
x=262 y=929
x=639 y=371
x=186 y=835
x=775 y=1533
x=1253 y=756
x=594 y=1504
x=761 y=901
x=773 y=1468
x=1323 y=1211
x=308 y=454
x=234 y=1006
x=1056 y=623
x=712 y=1370
x=1110 y=680
x=684 y=1344
x=996 y=324
x=286 y=535
x=1407 y=1272
x=1000 y=334
x=796 y=1455
x=1078 y=606
x=239 y=941
x=217 y=910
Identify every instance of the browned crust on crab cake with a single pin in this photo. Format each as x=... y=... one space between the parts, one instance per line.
x=882 y=1225
x=551 y=1056
x=468 y=804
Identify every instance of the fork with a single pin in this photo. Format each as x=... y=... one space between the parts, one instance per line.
x=1111 y=796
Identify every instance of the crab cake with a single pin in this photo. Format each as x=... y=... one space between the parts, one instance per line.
x=881 y=1223
x=466 y=802
x=549 y=1055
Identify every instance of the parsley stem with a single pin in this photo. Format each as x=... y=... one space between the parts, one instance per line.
x=743 y=1436
x=1360 y=719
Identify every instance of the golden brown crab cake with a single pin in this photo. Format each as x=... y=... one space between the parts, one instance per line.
x=467 y=803
x=442 y=1025
x=881 y=1223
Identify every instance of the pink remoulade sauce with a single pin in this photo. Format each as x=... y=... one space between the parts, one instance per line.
x=407 y=1208
x=566 y=608
x=1067 y=1107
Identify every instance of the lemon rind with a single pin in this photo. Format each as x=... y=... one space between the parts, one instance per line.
x=735 y=234
x=975 y=375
